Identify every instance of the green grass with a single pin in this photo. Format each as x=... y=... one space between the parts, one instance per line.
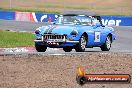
x=15 y=39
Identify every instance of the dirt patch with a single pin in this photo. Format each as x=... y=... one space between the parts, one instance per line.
x=37 y=71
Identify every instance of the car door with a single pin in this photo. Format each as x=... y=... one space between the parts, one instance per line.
x=98 y=32
x=98 y=35
x=95 y=32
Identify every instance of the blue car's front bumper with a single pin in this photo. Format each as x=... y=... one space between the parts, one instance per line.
x=55 y=42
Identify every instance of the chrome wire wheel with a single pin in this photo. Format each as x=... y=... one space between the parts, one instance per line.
x=83 y=42
x=108 y=42
x=107 y=45
x=80 y=47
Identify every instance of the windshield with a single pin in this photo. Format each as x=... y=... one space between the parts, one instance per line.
x=82 y=20
x=67 y=20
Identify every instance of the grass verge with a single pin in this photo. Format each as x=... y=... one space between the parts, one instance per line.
x=30 y=10
x=15 y=39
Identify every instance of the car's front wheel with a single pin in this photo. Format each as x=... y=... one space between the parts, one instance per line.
x=67 y=49
x=40 y=48
x=82 y=44
x=107 y=45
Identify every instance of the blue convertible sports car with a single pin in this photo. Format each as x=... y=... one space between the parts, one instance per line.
x=74 y=31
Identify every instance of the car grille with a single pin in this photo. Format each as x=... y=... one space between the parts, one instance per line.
x=53 y=36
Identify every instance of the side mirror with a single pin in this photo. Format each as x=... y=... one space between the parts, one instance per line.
x=97 y=25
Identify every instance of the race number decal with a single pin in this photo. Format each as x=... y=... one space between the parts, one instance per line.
x=97 y=37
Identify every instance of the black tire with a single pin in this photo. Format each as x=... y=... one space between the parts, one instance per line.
x=107 y=45
x=67 y=49
x=82 y=44
x=40 y=48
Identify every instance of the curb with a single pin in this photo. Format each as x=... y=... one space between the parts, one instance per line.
x=24 y=50
x=17 y=50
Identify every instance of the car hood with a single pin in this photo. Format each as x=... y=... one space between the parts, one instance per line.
x=57 y=29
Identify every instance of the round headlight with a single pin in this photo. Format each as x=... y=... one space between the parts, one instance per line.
x=37 y=31
x=74 y=32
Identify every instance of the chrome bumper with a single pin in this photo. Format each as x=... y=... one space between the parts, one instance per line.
x=56 y=40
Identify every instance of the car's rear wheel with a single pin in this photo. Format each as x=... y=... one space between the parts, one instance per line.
x=67 y=49
x=40 y=48
x=107 y=45
x=82 y=44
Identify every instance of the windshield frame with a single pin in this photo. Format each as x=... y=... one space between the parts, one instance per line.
x=73 y=20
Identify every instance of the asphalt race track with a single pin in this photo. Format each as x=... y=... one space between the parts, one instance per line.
x=57 y=69
x=122 y=44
